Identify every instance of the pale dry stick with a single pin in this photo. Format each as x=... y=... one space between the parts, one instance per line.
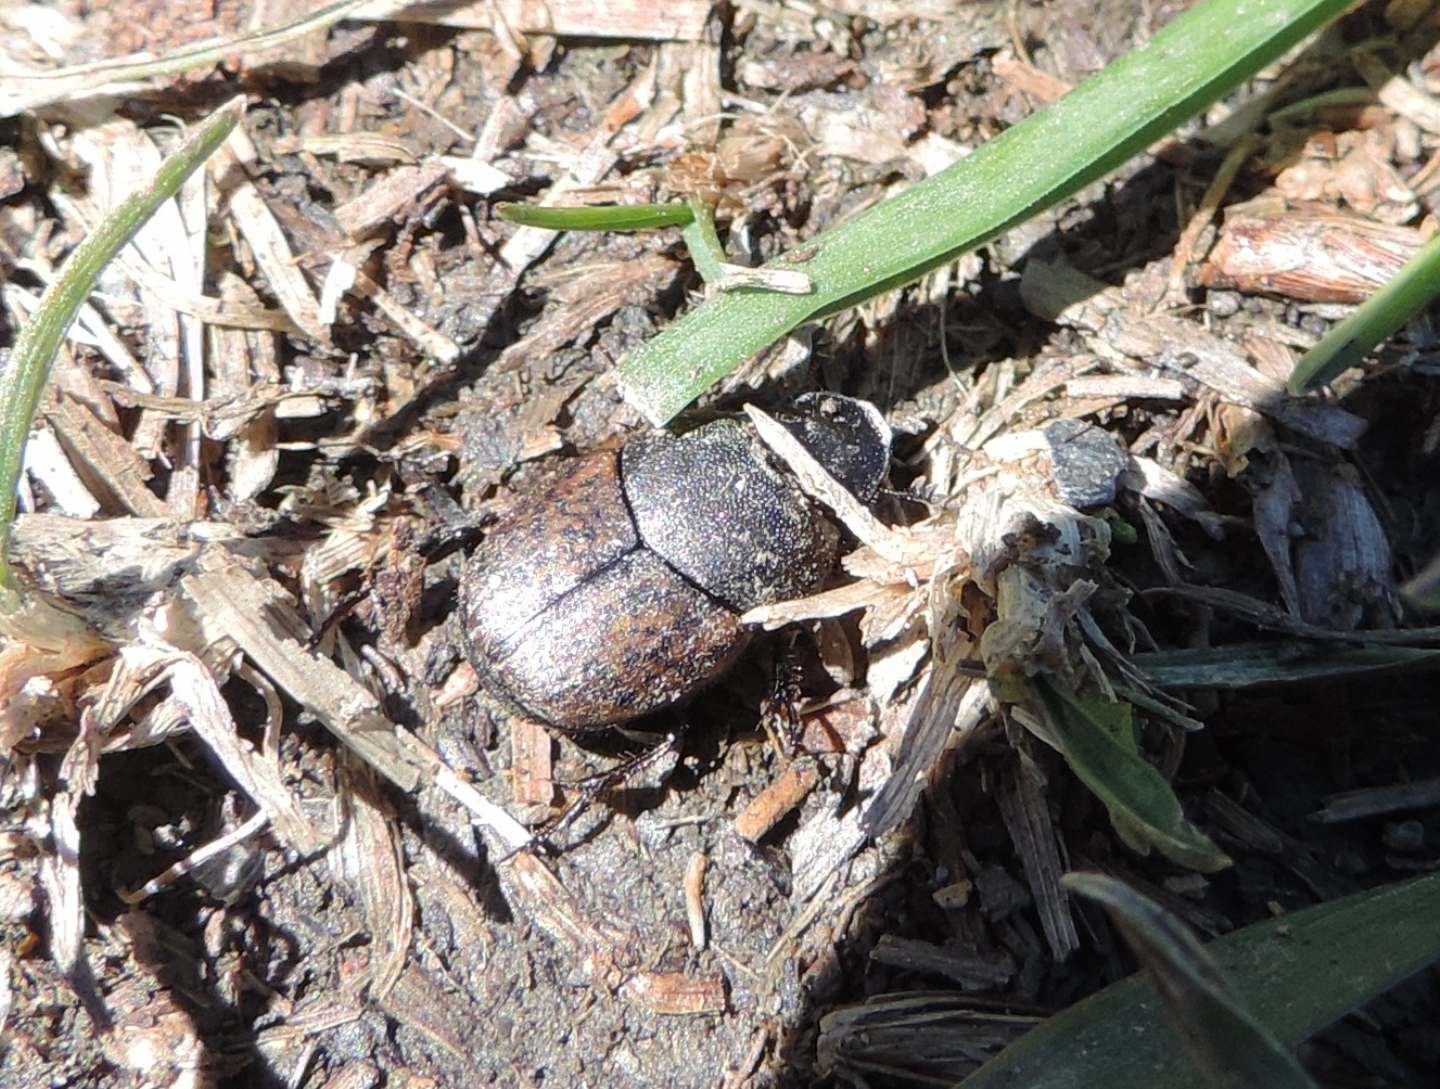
x=89 y=329
x=196 y=859
x=431 y=111
x=821 y=485
x=193 y=202
x=818 y=903
x=47 y=463
x=260 y=227
x=695 y=898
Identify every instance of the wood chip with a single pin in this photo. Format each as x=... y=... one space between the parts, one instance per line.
x=106 y=456
x=122 y=160
x=349 y=147
x=1028 y=79
x=1354 y=805
x=258 y=775
x=1343 y=560
x=433 y=343
x=820 y=485
x=1236 y=821
x=833 y=835
x=436 y=1013
x=530 y=752
x=60 y=871
x=1307 y=254
x=258 y=225
x=240 y=360
x=372 y=861
x=674 y=993
x=951 y=705
x=772 y=804
x=261 y=618
x=1210 y=202
x=1125 y=387
x=1180 y=349
x=48 y=465
x=392 y=197
x=1397 y=92
x=986 y=969
x=1027 y=819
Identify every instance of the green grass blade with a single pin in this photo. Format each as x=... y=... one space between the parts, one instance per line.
x=1247 y=665
x=1424 y=589
x=1383 y=313
x=1296 y=973
x=703 y=243
x=24 y=378
x=1110 y=117
x=598 y=217
x=1197 y=1001
x=1143 y=806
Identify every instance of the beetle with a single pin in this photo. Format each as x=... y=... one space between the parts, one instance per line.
x=618 y=591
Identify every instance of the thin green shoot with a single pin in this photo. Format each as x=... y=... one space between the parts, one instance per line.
x=1377 y=318
x=597 y=217
x=22 y=381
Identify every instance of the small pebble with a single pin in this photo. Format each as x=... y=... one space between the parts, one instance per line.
x=1223 y=304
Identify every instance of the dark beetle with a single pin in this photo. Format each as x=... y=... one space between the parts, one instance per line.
x=619 y=590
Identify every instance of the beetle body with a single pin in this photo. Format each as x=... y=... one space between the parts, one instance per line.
x=618 y=592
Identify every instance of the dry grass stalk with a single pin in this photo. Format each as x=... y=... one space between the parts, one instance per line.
x=1027 y=819
x=262 y=231
x=645 y=19
x=370 y=857
x=25 y=88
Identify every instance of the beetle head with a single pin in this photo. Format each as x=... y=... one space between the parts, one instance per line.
x=846 y=435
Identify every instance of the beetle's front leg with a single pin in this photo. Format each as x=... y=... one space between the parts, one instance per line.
x=592 y=787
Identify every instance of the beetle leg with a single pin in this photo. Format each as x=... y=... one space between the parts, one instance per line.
x=429 y=548
x=780 y=710
x=592 y=787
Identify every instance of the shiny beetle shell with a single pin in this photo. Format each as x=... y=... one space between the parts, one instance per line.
x=618 y=591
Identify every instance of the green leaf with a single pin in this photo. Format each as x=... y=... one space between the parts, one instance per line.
x=1117 y=113
x=1225 y=1041
x=596 y=217
x=23 y=379
x=1143 y=806
x=1296 y=973
x=696 y=221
